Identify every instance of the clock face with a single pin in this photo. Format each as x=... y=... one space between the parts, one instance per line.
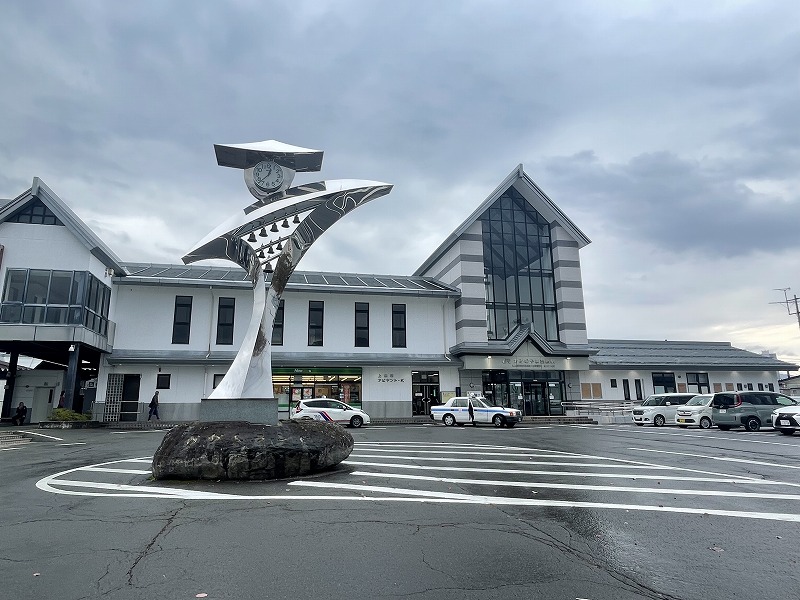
x=267 y=175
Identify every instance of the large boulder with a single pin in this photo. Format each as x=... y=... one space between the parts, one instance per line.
x=237 y=450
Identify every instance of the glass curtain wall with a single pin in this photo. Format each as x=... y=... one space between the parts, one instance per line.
x=518 y=268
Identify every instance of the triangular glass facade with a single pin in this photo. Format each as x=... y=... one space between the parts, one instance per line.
x=518 y=268
x=36 y=213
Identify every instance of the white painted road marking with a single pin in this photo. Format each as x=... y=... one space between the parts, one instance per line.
x=52 y=437
x=341 y=487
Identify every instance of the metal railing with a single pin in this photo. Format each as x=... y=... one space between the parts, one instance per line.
x=609 y=410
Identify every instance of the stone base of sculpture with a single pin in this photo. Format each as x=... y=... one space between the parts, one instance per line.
x=233 y=450
x=252 y=410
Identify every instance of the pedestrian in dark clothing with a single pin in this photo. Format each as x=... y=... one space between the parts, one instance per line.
x=61 y=399
x=471 y=411
x=154 y=407
x=19 y=416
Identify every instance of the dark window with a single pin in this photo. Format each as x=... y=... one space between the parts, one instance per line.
x=362 y=325
x=770 y=387
x=35 y=213
x=626 y=389
x=183 y=320
x=398 y=325
x=518 y=268
x=739 y=387
x=218 y=377
x=697 y=382
x=225 y=314
x=316 y=317
x=162 y=381
x=760 y=387
x=639 y=391
x=664 y=383
x=277 y=326
x=613 y=383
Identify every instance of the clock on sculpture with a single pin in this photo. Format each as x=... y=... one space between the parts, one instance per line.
x=268 y=175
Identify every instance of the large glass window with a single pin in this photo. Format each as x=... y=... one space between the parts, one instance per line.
x=698 y=383
x=43 y=297
x=316 y=317
x=277 y=327
x=398 y=325
x=518 y=268
x=664 y=383
x=183 y=320
x=225 y=315
x=362 y=325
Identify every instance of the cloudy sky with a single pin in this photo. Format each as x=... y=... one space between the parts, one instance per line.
x=667 y=131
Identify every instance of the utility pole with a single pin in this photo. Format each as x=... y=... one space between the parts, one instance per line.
x=788 y=303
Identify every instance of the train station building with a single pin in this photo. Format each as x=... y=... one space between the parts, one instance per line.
x=497 y=308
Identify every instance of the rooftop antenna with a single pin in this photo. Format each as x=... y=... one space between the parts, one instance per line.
x=788 y=302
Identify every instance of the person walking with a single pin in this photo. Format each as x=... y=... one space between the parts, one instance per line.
x=19 y=416
x=61 y=399
x=471 y=411
x=154 y=407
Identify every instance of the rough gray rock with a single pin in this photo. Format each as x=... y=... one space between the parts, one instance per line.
x=237 y=450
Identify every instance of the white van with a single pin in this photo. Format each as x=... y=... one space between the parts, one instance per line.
x=696 y=412
x=659 y=409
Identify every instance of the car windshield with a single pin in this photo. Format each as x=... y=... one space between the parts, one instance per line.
x=478 y=403
x=652 y=401
x=700 y=400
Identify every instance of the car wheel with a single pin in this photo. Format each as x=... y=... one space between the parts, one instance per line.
x=498 y=421
x=449 y=420
x=786 y=431
x=683 y=426
x=752 y=424
x=510 y=425
x=724 y=427
x=705 y=423
x=356 y=422
x=659 y=420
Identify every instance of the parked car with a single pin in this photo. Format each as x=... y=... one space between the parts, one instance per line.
x=786 y=419
x=750 y=409
x=456 y=412
x=696 y=412
x=659 y=409
x=326 y=409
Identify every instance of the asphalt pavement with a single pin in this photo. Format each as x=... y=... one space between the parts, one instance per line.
x=563 y=512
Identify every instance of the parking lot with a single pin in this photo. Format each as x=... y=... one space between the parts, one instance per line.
x=575 y=512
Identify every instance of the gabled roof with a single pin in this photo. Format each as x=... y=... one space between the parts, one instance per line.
x=70 y=220
x=532 y=193
x=633 y=354
x=520 y=335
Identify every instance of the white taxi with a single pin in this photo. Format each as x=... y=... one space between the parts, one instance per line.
x=327 y=409
x=456 y=412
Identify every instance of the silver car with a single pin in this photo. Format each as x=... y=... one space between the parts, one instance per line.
x=659 y=409
x=748 y=409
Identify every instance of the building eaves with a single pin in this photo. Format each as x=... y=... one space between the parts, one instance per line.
x=518 y=337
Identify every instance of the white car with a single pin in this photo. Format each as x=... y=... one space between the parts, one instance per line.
x=659 y=409
x=332 y=411
x=786 y=419
x=696 y=412
x=456 y=412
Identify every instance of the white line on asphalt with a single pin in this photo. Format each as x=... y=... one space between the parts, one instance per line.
x=4 y=449
x=566 y=486
x=722 y=458
x=144 y=459
x=633 y=476
x=52 y=437
x=705 y=436
x=489 y=500
x=532 y=454
x=514 y=462
x=111 y=470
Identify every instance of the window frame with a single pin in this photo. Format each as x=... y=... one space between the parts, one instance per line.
x=399 y=332
x=361 y=332
x=225 y=326
x=181 y=327
x=316 y=330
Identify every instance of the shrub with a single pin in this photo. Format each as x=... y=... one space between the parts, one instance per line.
x=65 y=414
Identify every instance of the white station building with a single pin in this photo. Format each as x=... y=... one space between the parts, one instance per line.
x=497 y=308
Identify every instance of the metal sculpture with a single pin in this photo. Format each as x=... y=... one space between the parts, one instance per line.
x=287 y=220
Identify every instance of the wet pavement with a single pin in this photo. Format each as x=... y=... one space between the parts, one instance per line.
x=555 y=512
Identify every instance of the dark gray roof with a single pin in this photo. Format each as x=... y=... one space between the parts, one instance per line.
x=234 y=276
x=651 y=354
